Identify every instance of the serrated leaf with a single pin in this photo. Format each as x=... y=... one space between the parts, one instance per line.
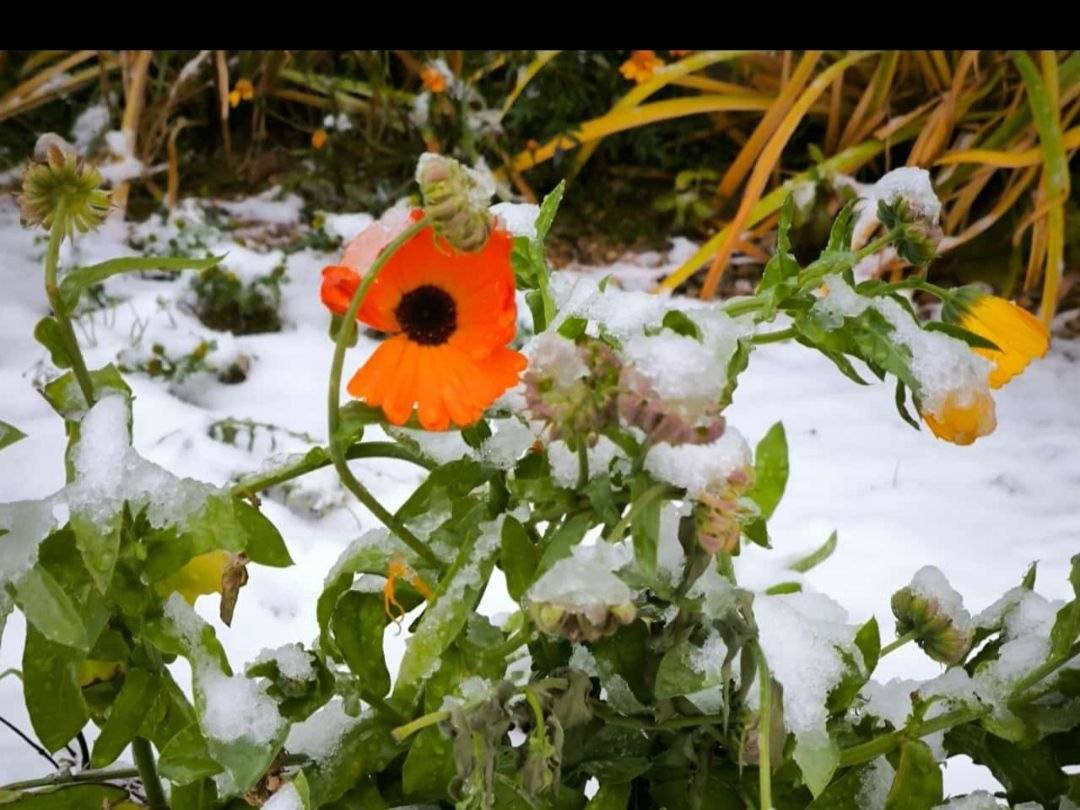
x=770 y=470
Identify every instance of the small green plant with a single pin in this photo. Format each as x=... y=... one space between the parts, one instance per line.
x=229 y=304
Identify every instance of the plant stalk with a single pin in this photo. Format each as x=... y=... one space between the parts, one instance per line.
x=144 y=761
x=52 y=290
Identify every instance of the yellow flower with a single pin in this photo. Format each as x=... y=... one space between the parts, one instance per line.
x=433 y=79
x=963 y=416
x=641 y=65
x=1019 y=334
x=243 y=90
x=202 y=575
x=318 y=138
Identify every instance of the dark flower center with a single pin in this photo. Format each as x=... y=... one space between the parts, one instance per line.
x=427 y=315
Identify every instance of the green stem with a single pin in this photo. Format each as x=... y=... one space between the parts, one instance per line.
x=144 y=761
x=898 y=643
x=743 y=306
x=1041 y=671
x=583 y=464
x=775 y=337
x=311 y=462
x=333 y=416
x=408 y=729
x=764 y=729
x=867 y=751
x=103 y=775
x=52 y=290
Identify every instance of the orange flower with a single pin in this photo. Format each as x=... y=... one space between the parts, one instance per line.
x=433 y=79
x=449 y=314
x=318 y=138
x=641 y=65
x=243 y=90
x=963 y=416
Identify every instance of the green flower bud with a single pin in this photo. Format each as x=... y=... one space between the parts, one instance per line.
x=456 y=201
x=61 y=189
x=934 y=612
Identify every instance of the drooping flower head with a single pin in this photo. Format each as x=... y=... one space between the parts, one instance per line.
x=934 y=612
x=59 y=187
x=450 y=315
x=1019 y=335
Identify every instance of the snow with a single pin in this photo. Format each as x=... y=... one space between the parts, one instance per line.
x=25 y=524
x=899 y=499
x=91 y=124
x=875 y=785
x=931 y=584
x=584 y=579
x=564 y=462
x=286 y=798
x=908 y=183
x=681 y=369
x=800 y=634
x=518 y=219
x=236 y=707
x=293 y=662
x=320 y=734
x=979 y=800
x=696 y=467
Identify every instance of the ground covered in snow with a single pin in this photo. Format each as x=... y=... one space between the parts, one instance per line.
x=898 y=499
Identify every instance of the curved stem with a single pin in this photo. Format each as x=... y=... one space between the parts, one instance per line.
x=333 y=417
x=778 y=336
x=867 y=751
x=897 y=644
x=314 y=461
x=647 y=497
x=144 y=761
x=764 y=729
x=52 y=290
x=1040 y=672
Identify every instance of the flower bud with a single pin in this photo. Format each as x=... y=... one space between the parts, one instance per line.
x=58 y=188
x=456 y=201
x=719 y=512
x=935 y=613
x=641 y=406
x=572 y=387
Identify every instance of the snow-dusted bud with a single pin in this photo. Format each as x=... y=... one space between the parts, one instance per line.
x=456 y=201
x=581 y=598
x=572 y=386
x=57 y=187
x=934 y=612
x=641 y=406
x=903 y=200
x=720 y=510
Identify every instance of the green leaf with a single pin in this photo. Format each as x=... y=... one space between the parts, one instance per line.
x=1066 y=628
x=367 y=747
x=186 y=757
x=548 y=208
x=198 y=795
x=126 y=716
x=518 y=558
x=645 y=525
x=846 y=791
x=676 y=674
x=1028 y=773
x=960 y=333
x=815 y=558
x=573 y=327
x=562 y=542
x=263 y=543
x=68 y=797
x=67 y=398
x=49 y=334
x=770 y=470
x=817 y=757
x=917 y=785
x=357 y=624
x=353 y=417
x=99 y=544
x=447 y=612
x=83 y=277
x=9 y=434
x=50 y=610
x=429 y=767
x=679 y=323
x=54 y=700
x=781 y=588
x=900 y=399
x=611 y=797
x=303 y=790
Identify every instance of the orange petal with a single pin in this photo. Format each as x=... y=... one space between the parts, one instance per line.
x=401 y=390
x=371 y=382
